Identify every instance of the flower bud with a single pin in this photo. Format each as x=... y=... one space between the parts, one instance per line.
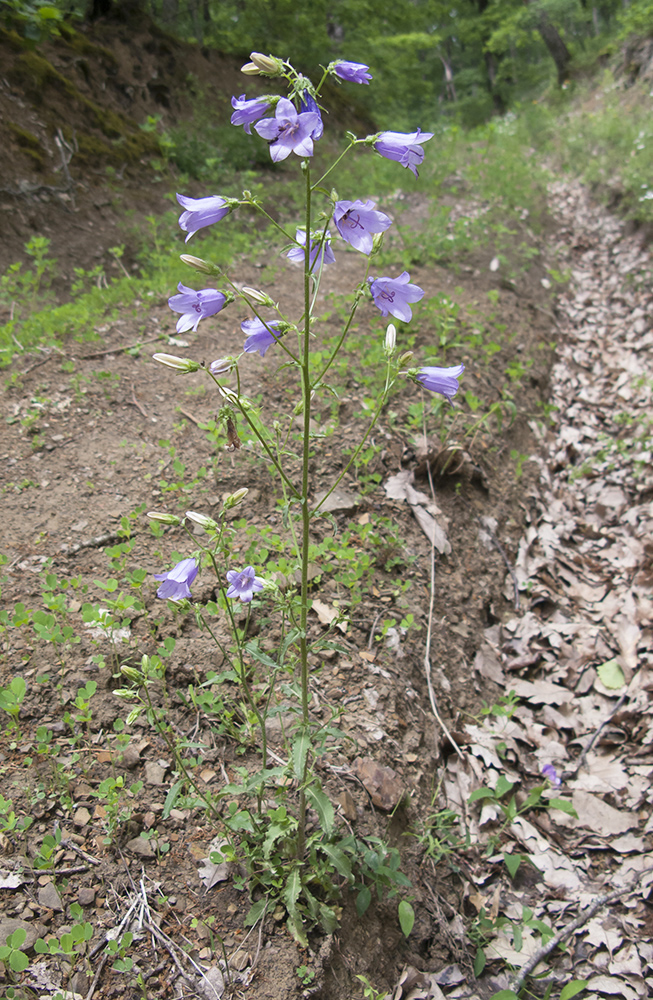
x=203 y=266
x=204 y=522
x=235 y=498
x=261 y=298
x=266 y=64
x=250 y=69
x=133 y=715
x=156 y=515
x=222 y=366
x=390 y=339
x=377 y=243
x=132 y=674
x=406 y=359
x=183 y=365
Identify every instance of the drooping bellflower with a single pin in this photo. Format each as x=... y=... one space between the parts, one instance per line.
x=243 y=584
x=289 y=132
x=195 y=306
x=392 y=295
x=308 y=103
x=357 y=221
x=247 y=112
x=177 y=581
x=442 y=380
x=353 y=72
x=259 y=335
x=404 y=147
x=200 y=212
x=550 y=772
x=320 y=253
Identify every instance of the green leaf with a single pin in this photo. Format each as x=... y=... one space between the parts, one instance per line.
x=323 y=808
x=480 y=793
x=479 y=962
x=571 y=989
x=512 y=863
x=18 y=961
x=17 y=939
x=406 y=917
x=363 y=900
x=563 y=806
x=611 y=675
x=504 y=995
x=171 y=798
x=255 y=912
x=300 y=749
x=503 y=786
x=340 y=861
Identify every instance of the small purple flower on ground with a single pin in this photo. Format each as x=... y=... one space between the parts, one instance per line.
x=392 y=295
x=308 y=103
x=320 y=255
x=549 y=771
x=246 y=112
x=200 y=212
x=244 y=584
x=442 y=380
x=176 y=583
x=260 y=335
x=352 y=72
x=357 y=221
x=404 y=147
x=195 y=306
x=288 y=131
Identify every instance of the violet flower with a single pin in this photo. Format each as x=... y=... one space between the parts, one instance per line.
x=392 y=295
x=442 y=380
x=320 y=253
x=352 y=72
x=404 y=147
x=195 y=306
x=177 y=581
x=289 y=132
x=200 y=212
x=308 y=103
x=260 y=335
x=244 y=584
x=549 y=771
x=357 y=221
x=246 y=112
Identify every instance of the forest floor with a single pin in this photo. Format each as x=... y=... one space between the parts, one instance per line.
x=539 y=584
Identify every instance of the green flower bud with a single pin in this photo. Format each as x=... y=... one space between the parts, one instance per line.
x=406 y=359
x=183 y=365
x=204 y=522
x=390 y=340
x=261 y=298
x=269 y=65
x=156 y=515
x=132 y=674
x=250 y=69
x=235 y=498
x=203 y=266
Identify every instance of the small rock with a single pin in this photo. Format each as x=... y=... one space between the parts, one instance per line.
x=154 y=773
x=382 y=783
x=131 y=756
x=80 y=983
x=11 y=924
x=49 y=898
x=348 y=806
x=82 y=816
x=86 y=897
x=139 y=845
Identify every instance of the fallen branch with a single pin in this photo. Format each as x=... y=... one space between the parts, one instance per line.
x=134 y=402
x=91 y=543
x=581 y=919
x=118 y=349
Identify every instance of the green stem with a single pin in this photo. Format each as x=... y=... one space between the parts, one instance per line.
x=354 y=142
x=306 y=516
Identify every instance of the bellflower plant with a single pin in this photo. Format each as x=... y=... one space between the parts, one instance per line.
x=200 y=212
x=353 y=72
x=195 y=306
x=358 y=221
x=305 y=358
x=392 y=295
x=405 y=148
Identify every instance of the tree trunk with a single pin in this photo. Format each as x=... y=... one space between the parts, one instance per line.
x=556 y=46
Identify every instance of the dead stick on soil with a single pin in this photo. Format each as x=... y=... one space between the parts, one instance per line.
x=87 y=857
x=92 y=543
x=581 y=919
x=190 y=416
x=135 y=403
x=119 y=350
x=566 y=775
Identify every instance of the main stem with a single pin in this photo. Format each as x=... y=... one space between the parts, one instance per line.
x=306 y=520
